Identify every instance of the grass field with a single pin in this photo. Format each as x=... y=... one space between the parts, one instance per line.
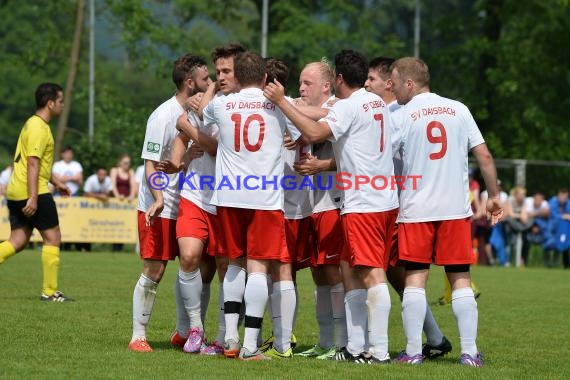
x=524 y=328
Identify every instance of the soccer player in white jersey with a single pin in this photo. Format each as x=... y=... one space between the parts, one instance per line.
x=359 y=127
x=296 y=253
x=435 y=215
x=248 y=194
x=158 y=202
x=379 y=82
x=196 y=227
x=315 y=87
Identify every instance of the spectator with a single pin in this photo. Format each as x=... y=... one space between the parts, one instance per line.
x=5 y=178
x=517 y=220
x=123 y=179
x=559 y=227
x=98 y=185
x=68 y=171
x=124 y=185
x=538 y=209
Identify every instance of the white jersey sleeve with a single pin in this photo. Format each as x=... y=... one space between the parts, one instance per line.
x=298 y=202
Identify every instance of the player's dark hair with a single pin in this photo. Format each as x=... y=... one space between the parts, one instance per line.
x=353 y=66
x=46 y=92
x=276 y=69
x=231 y=50
x=184 y=68
x=249 y=69
x=382 y=65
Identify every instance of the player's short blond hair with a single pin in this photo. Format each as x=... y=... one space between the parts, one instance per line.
x=324 y=68
x=414 y=69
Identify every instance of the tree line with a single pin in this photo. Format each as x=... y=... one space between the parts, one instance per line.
x=508 y=60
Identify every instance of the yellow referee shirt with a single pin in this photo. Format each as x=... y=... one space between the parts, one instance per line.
x=35 y=140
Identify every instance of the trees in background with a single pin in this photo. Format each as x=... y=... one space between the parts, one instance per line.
x=506 y=59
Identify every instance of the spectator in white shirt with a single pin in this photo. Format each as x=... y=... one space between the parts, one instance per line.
x=98 y=185
x=68 y=171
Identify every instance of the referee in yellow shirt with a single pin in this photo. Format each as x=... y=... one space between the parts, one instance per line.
x=29 y=201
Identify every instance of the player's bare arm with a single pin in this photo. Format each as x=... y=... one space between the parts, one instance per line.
x=312 y=112
x=208 y=143
x=175 y=164
x=207 y=98
x=158 y=205
x=33 y=175
x=313 y=131
x=312 y=165
x=489 y=172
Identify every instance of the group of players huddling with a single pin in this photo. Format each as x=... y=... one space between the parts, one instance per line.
x=360 y=118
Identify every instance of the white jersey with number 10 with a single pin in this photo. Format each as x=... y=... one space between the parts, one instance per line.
x=249 y=166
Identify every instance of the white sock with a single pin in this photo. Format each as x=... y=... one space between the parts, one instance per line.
x=356 y=320
x=204 y=301
x=191 y=291
x=413 y=315
x=296 y=306
x=433 y=333
x=256 y=294
x=182 y=320
x=379 y=304
x=283 y=303
x=143 y=302
x=465 y=309
x=339 y=315
x=323 y=306
x=234 y=288
x=221 y=317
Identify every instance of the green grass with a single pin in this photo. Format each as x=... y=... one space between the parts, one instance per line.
x=524 y=327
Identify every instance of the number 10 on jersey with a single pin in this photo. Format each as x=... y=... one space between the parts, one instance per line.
x=243 y=132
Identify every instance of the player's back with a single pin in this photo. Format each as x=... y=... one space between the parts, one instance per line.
x=437 y=134
x=362 y=147
x=251 y=132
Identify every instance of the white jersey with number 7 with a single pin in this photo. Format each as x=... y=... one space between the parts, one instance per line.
x=249 y=166
x=436 y=136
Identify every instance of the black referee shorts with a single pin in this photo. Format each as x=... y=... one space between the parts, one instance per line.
x=44 y=218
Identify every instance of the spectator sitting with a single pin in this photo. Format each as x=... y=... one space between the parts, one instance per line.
x=559 y=228
x=69 y=171
x=496 y=240
x=98 y=185
x=538 y=209
x=517 y=219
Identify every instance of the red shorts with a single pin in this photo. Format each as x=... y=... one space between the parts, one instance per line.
x=259 y=234
x=197 y=223
x=394 y=258
x=444 y=242
x=368 y=238
x=300 y=247
x=329 y=237
x=157 y=241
